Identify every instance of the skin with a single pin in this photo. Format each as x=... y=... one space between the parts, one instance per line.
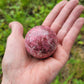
x=20 y=68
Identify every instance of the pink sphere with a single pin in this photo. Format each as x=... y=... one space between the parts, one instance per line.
x=41 y=42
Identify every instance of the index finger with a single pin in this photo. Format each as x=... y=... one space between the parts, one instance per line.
x=54 y=13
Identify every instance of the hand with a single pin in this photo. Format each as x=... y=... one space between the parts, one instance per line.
x=20 y=68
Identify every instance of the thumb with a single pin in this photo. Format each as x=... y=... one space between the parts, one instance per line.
x=15 y=53
x=16 y=27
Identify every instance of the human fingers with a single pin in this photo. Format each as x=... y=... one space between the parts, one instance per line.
x=69 y=22
x=62 y=53
x=72 y=34
x=54 y=13
x=65 y=12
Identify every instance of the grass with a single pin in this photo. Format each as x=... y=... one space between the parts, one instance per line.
x=31 y=13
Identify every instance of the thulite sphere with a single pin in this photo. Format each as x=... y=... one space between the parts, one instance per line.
x=41 y=42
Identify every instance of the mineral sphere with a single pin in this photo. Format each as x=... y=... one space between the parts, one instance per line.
x=41 y=42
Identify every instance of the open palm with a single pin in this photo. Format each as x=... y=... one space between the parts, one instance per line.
x=20 y=68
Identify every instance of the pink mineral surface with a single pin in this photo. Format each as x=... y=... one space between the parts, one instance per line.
x=41 y=42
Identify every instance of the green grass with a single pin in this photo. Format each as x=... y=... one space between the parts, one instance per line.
x=31 y=13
